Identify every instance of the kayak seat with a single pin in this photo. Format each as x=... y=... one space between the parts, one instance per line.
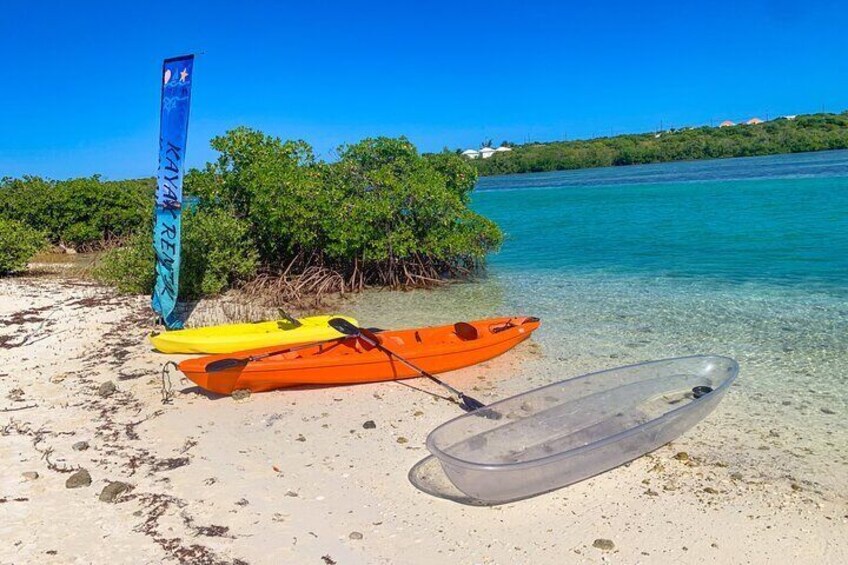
x=465 y=331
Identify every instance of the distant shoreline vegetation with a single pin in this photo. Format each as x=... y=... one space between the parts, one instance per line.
x=802 y=133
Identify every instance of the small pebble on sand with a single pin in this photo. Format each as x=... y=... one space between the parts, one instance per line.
x=355 y=535
x=30 y=475
x=107 y=389
x=604 y=544
x=369 y=425
x=113 y=490
x=682 y=456
x=80 y=446
x=241 y=394
x=402 y=439
x=79 y=479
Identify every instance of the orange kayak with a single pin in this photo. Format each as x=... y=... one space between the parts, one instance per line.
x=351 y=360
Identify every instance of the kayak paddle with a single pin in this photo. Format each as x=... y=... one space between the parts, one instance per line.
x=234 y=363
x=341 y=325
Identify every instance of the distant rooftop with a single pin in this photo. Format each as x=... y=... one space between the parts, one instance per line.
x=484 y=152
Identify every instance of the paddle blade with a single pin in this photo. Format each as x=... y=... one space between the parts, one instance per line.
x=343 y=326
x=470 y=404
x=226 y=364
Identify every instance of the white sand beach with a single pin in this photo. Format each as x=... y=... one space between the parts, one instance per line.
x=295 y=476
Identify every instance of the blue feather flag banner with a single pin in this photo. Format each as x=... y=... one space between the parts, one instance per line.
x=173 y=131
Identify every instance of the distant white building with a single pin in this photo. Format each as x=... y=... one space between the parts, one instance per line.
x=754 y=121
x=484 y=152
x=726 y=124
x=790 y=117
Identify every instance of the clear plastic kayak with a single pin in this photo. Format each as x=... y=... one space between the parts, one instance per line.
x=562 y=433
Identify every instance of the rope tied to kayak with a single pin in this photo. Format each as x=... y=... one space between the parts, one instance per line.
x=167 y=387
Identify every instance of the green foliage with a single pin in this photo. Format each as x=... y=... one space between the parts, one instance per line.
x=129 y=268
x=394 y=204
x=270 y=184
x=216 y=251
x=460 y=176
x=18 y=244
x=381 y=214
x=82 y=212
x=380 y=205
x=814 y=132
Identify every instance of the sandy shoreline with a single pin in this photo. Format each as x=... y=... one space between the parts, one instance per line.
x=294 y=477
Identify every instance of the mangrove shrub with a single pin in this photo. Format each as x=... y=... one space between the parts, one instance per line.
x=381 y=214
x=216 y=254
x=83 y=213
x=18 y=244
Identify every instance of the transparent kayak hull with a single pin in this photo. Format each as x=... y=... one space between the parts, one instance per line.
x=563 y=433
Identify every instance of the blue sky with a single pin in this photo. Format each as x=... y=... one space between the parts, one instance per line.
x=80 y=93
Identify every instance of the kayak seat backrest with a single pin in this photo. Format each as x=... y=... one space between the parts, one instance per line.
x=418 y=337
x=465 y=331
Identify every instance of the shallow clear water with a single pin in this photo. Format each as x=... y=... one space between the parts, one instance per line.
x=740 y=257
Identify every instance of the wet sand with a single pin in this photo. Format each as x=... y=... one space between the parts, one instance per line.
x=295 y=476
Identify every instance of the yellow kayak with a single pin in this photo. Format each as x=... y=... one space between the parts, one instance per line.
x=230 y=338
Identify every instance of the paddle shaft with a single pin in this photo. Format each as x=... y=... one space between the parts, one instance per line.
x=465 y=400
x=231 y=363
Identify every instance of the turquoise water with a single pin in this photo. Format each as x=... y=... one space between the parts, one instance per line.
x=713 y=220
x=740 y=257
